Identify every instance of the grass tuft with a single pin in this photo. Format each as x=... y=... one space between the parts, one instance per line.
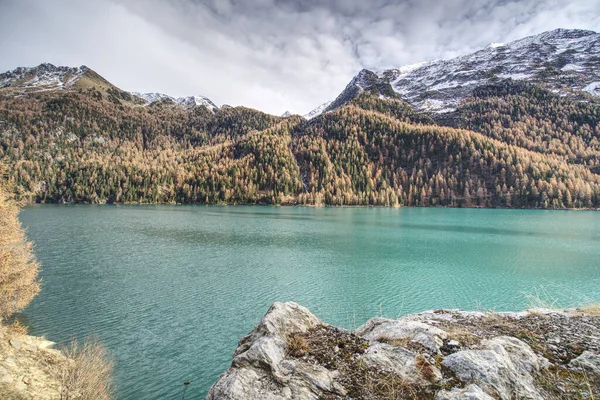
x=297 y=345
x=88 y=373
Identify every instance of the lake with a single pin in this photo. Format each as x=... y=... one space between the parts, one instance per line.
x=171 y=289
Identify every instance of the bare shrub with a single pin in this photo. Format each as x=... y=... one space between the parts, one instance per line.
x=87 y=375
x=18 y=268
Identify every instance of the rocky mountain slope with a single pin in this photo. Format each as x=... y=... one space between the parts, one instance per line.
x=441 y=355
x=567 y=61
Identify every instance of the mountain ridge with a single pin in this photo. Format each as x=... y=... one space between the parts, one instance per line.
x=47 y=77
x=564 y=60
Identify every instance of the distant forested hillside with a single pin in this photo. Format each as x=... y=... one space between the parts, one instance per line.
x=510 y=144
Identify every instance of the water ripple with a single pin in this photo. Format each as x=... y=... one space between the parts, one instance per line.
x=171 y=289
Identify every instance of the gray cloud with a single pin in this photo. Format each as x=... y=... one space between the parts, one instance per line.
x=273 y=55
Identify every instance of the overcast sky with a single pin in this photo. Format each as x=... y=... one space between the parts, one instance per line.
x=273 y=55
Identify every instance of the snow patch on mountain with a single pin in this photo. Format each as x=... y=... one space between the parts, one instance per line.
x=318 y=111
x=539 y=59
x=572 y=67
x=188 y=101
x=45 y=76
x=436 y=106
x=563 y=60
x=197 y=101
x=593 y=88
x=152 y=97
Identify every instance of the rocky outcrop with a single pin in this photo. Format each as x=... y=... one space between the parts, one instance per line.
x=260 y=368
x=442 y=355
x=28 y=367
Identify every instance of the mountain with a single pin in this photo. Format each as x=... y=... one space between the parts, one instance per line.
x=566 y=61
x=189 y=101
x=68 y=135
x=318 y=111
x=47 y=77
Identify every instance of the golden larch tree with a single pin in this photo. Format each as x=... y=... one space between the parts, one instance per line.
x=19 y=282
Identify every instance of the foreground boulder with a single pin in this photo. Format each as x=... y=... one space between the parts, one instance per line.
x=442 y=355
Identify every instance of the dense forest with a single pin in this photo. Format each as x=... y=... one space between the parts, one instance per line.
x=511 y=144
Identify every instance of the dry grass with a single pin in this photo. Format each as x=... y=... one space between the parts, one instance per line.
x=297 y=345
x=18 y=267
x=363 y=382
x=88 y=373
x=496 y=320
x=9 y=393
x=461 y=335
x=17 y=328
x=592 y=309
x=425 y=368
x=398 y=342
x=560 y=383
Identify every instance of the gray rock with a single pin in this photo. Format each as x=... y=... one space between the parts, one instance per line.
x=587 y=361
x=502 y=370
x=395 y=359
x=470 y=392
x=519 y=353
x=280 y=321
x=389 y=329
x=259 y=370
x=265 y=352
x=16 y=343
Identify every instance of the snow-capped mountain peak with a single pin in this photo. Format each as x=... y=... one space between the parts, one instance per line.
x=565 y=60
x=48 y=77
x=188 y=101
x=152 y=97
x=561 y=59
x=318 y=111
x=197 y=101
x=45 y=76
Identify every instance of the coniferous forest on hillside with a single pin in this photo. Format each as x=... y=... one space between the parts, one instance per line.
x=510 y=144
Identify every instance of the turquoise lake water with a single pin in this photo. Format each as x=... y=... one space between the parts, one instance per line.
x=171 y=289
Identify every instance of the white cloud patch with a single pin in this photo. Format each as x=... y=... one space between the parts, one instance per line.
x=274 y=55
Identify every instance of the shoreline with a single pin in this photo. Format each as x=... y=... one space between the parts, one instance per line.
x=306 y=206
